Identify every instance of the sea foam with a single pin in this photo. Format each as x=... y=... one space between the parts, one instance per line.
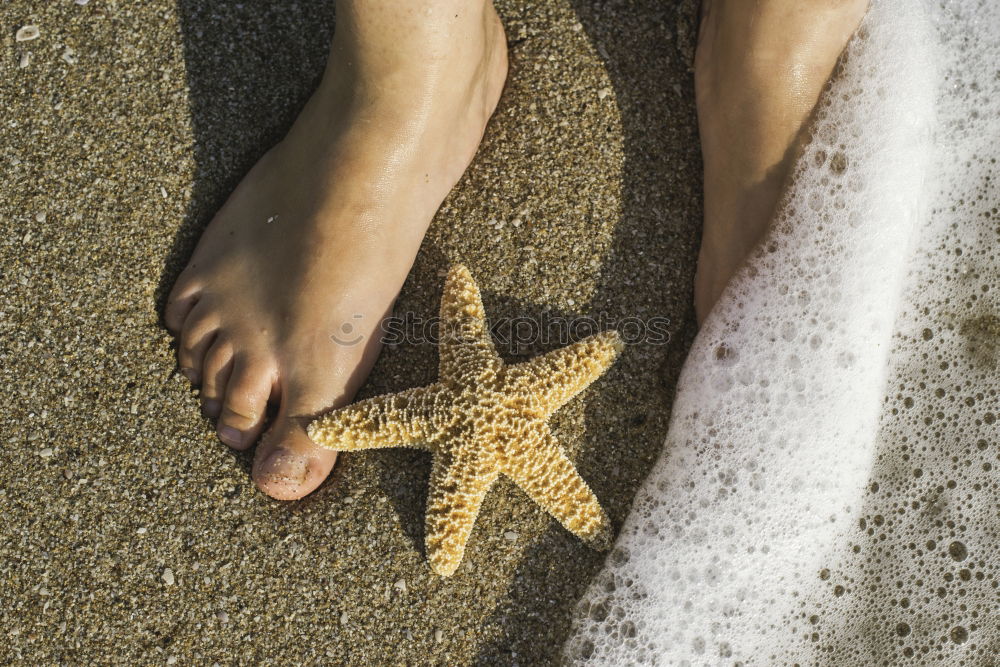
x=827 y=491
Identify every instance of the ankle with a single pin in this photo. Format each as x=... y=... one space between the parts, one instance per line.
x=771 y=33
x=380 y=47
x=423 y=65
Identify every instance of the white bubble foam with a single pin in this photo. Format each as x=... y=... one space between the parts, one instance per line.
x=827 y=493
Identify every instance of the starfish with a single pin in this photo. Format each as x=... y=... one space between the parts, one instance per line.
x=481 y=419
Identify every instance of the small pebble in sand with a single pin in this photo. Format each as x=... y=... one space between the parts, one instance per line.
x=400 y=586
x=511 y=535
x=163 y=192
x=344 y=618
x=27 y=33
x=82 y=2
x=141 y=530
x=172 y=660
x=70 y=57
x=603 y=93
x=438 y=636
x=516 y=222
x=168 y=576
x=222 y=616
x=25 y=60
x=40 y=217
x=46 y=453
x=272 y=219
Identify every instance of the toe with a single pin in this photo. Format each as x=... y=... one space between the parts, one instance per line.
x=288 y=465
x=196 y=337
x=216 y=371
x=245 y=404
x=182 y=299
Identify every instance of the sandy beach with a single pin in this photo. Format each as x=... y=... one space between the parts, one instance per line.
x=130 y=534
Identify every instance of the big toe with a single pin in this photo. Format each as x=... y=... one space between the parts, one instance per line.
x=288 y=465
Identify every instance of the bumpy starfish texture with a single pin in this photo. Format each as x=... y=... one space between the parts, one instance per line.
x=481 y=419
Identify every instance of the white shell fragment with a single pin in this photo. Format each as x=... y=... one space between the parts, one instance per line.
x=27 y=33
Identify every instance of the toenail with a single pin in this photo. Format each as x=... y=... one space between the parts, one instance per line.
x=284 y=466
x=211 y=408
x=191 y=374
x=230 y=436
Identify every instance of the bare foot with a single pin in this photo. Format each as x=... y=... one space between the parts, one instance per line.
x=759 y=70
x=282 y=299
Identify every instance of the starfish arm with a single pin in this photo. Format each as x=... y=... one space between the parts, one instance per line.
x=465 y=342
x=546 y=474
x=393 y=420
x=554 y=378
x=457 y=487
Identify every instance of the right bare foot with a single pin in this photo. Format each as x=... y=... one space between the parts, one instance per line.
x=282 y=299
x=759 y=70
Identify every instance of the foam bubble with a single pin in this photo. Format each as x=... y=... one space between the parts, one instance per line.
x=827 y=492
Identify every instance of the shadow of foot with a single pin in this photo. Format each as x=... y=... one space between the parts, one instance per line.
x=244 y=94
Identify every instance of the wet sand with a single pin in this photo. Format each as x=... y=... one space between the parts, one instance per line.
x=130 y=534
